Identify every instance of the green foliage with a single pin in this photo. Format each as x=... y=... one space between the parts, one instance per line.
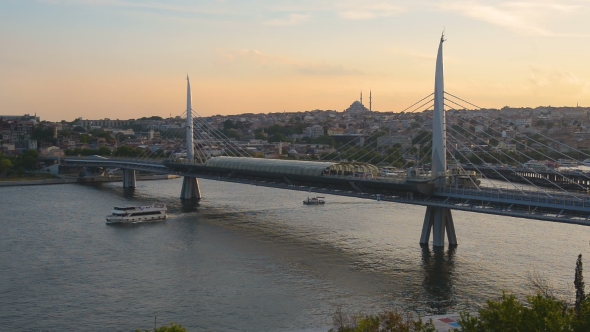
x=88 y=152
x=293 y=128
x=84 y=138
x=232 y=133
x=229 y=124
x=166 y=328
x=579 y=284
x=5 y=163
x=325 y=139
x=43 y=134
x=101 y=133
x=277 y=137
x=259 y=135
x=539 y=314
x=154 y=117
x=127 y=151
x=423 y=136
x=388 y=321
x=104 y=151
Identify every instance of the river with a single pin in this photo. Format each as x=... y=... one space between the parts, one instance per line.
x=250 y=258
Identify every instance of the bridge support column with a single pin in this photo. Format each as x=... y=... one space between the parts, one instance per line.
x=129 y=178
x=190 y=188
x=438 y=220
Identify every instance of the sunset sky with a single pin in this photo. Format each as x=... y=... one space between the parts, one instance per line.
x=121 y=59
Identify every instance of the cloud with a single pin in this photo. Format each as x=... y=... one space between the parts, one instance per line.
x=556 y=81
x=407 y=52
x=159 y=6
x=368 y=11
x=274 y=61
x=527 y=18
x=291 y=19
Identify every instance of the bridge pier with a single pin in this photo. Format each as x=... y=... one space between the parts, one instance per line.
x=190 y=188
x=438 y=220
x=129 y=178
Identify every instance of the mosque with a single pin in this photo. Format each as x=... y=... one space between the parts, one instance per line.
x=359 y=107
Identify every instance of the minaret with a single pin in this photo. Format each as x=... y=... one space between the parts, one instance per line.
x=370 y=101
x=361 y=97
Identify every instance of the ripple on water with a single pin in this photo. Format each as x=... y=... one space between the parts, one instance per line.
x=249 y=258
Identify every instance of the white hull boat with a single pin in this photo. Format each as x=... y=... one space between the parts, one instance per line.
x=134 y=214
x=314 y=201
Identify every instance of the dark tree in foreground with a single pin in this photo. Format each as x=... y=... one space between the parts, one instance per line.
x=579 y=285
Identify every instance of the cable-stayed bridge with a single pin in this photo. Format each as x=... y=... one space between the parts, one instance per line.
x=445 y=169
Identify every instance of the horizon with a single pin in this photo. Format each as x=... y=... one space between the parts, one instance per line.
x=96 y=59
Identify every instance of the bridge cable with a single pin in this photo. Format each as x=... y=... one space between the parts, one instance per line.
x=351 y=141
x=515 y=172
x=528 y=137
x=378 y=132
x=522 y=153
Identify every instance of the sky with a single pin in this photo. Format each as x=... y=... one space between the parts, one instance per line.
x=122 y=59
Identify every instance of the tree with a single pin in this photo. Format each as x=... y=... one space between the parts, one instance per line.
x=579 y=285
x=5 y=165
x=326 y=139
x=539 y=314
x=167 y=328
x=277 y=137
x=423 y=136
x=259 y=135
x=388 y=321
x=104 y=151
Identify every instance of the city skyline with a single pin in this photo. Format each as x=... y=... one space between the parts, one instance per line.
x=126 y=59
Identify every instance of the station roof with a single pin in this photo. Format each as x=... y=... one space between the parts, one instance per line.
x=298 y=167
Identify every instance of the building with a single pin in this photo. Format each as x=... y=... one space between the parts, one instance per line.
x=104 y=123
x=390 y=140
x=314 y=131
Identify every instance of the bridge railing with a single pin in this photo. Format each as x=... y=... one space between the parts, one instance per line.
x=519 y=197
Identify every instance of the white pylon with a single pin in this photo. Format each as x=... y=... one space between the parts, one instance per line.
x=190 y=152
x=439 y=133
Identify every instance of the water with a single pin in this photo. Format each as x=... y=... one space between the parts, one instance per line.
x=251 y=258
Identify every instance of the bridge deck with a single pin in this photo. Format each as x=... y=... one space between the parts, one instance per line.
x=571 y=208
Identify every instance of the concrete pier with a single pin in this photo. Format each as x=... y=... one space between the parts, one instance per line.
x=129 y=178
x=190 y=188
x=438 y=221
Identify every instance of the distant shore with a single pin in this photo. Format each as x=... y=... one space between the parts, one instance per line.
x=67 y=179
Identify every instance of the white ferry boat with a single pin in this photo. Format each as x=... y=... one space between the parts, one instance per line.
x=314 y=201
x=133 y=214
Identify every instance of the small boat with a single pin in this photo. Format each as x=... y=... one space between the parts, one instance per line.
x=133 y=214
x=314 y=201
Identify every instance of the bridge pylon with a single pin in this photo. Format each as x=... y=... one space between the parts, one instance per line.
x=129 y=178
x=190 y=185
x=190 y=188
x=439 y=219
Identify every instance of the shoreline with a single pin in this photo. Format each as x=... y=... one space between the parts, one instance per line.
x=68 y=180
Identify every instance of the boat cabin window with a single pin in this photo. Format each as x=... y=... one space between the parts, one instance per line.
x=124 y=208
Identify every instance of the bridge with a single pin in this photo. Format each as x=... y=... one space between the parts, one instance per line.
x=507 y=188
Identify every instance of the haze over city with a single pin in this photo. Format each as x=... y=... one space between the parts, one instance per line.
x=64 y=59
